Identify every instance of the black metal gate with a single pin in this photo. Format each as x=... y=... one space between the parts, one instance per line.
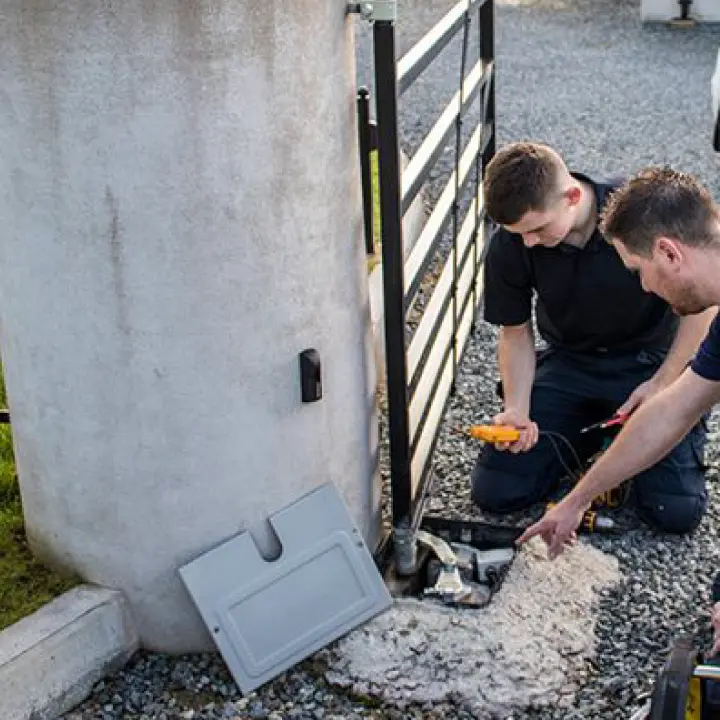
x=421 y=372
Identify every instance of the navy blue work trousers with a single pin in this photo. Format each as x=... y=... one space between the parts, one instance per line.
x=572 y=391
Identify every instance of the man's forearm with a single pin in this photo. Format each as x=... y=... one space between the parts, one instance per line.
x=691 y=331
x=516 y=360
x=656 y=427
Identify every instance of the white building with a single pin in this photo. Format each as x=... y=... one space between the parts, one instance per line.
x=665 y=10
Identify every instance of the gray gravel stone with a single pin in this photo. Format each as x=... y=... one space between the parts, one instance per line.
x=586 y=77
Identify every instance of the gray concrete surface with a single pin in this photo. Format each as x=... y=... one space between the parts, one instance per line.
x=181 y=212
x=585 y=76
x=50 y=660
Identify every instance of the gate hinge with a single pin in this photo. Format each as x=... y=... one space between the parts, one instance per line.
x=372 y=10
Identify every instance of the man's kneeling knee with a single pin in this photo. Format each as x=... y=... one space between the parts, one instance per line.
x=498 y=491
x=677 y=514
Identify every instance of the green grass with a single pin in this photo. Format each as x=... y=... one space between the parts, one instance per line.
x=25 y=584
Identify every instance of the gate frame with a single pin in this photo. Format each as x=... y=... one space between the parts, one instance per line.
x=392 y=78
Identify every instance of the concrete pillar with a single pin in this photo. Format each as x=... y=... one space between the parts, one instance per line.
x=664 y=10
x=181 y=217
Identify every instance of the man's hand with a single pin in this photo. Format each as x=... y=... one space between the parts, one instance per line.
x=556 y=527
x=639 y=395
x=529 y=432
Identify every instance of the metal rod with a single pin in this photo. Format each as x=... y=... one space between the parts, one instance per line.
x=487 y=53
x=425 y=485
x=422 y=253
x=456 y=201
x=479 y=207
x=424 y=412
x=420 y=405
x=422 y=454
x=364 y=141
x=435 y=328
x=432 y=146
x=393 y=270
x=413 y=63
x=434 y=311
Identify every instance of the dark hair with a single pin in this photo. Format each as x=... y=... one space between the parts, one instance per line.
x=520 y=177
x=660 y=202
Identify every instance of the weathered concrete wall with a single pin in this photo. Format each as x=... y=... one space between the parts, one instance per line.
x=181 y=217
x=663 y=10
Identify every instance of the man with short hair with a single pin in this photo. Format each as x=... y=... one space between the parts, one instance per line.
x=611 y=344
x=666 y=228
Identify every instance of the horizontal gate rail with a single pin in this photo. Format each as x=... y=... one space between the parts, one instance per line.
x=421 y=366
x=422 y=253
x=427 y=329
x=422 y=162
x=426 y=442
x=412 y=64
x=423 y=393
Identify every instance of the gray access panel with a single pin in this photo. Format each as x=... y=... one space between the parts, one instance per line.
x=267 y=616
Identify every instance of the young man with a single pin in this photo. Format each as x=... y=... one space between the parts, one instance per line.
x=666 y=228
x=611 y=344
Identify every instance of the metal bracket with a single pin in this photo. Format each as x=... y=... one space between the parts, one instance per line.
x=375 y=10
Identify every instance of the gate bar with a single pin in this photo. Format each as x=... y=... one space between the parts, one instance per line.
x=456 y=199
x=365 y=144
x=393 y=271
x=421 y=255
x=487 y=53
x=425 y=157
x=412 y=64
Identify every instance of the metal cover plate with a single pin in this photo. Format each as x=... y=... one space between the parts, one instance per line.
x=267 y=616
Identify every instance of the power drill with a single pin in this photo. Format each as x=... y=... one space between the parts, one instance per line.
x=592 y=522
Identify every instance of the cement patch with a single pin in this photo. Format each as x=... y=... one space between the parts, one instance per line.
x=527 y=648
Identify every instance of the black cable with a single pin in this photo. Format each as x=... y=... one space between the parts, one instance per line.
x=551 y=435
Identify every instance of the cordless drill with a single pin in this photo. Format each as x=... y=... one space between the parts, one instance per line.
x=592 y=522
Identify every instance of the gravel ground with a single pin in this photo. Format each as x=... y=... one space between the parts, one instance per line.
x=584 y=76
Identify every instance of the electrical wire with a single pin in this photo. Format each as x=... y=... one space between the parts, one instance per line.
x=551 y=435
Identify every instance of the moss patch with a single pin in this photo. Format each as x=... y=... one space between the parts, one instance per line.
x=25 y=584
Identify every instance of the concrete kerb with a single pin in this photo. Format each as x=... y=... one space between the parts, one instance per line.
x=413 y=223
x=50 y=660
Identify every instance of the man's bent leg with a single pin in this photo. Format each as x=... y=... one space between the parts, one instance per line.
x=671 y=496
x=503 y=481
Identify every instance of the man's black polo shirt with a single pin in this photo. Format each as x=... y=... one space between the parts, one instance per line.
x=586 y=299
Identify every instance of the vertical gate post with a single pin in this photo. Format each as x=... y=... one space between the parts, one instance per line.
x=393 y=275
x=365 y=145
x=487 y=53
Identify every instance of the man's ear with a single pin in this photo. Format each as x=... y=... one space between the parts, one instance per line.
x=573 y=195
x=668 y=251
